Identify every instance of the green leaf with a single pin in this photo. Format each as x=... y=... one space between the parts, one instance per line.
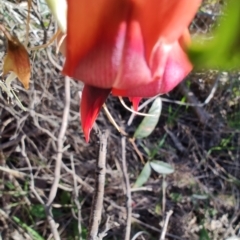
x=200 y=197
x=35 y=235
x=147 y=150
x=161 y=167
x=149 y=122
x=203 y=234
x=38 y=211
x=144 y=176
x=176 y=197
x=65 y=198
x=222 y=51
x=10 y=185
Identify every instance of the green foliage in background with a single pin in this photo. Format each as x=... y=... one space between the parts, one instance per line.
x=222 y=51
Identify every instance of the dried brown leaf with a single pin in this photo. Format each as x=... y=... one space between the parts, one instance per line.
x=17 y=60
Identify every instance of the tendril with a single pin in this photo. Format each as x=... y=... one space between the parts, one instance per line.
x=132 y=111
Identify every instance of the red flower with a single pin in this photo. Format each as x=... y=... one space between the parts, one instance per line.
x=132 y=48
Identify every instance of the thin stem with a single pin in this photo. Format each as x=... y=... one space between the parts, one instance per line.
x=128 y=190
x=96 y=211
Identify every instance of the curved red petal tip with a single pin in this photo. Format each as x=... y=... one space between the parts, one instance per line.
x=135 y=102
x=91 y=103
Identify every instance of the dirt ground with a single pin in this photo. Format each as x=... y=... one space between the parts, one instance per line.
x=198 y=134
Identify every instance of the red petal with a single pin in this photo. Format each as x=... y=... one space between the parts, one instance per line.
x=176 y=69
x=135 y=102
x=133 y=70
x=91 y=103
x=88 y=21
x=164 y=19
x=100 y=65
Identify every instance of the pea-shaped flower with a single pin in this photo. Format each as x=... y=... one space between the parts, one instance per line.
x=130 y=48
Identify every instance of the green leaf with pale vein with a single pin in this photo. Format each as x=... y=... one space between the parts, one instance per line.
x=144 y=176
x=200 y=197
x=149 y=123
x=161 y=167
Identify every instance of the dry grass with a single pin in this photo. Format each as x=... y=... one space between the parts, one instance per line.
x=202 y=143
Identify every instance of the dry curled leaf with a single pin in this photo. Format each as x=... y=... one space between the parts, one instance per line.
x=17 y=60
